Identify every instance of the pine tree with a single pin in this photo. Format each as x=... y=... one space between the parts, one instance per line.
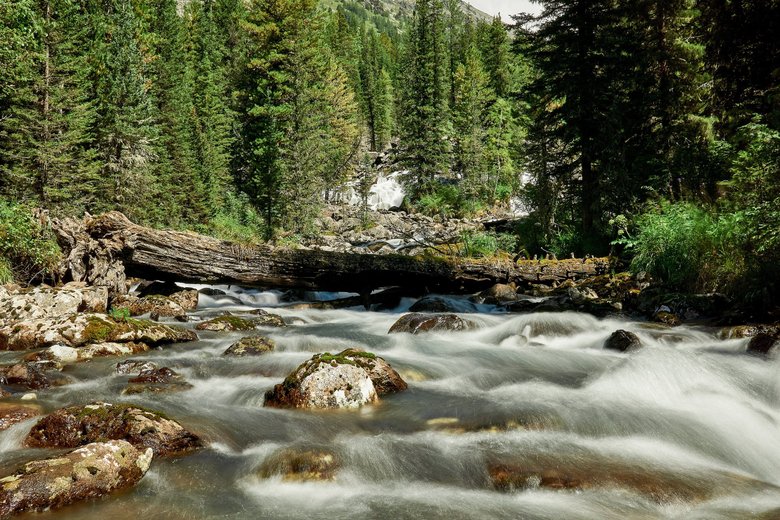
x=125 y=127
x=494 y=45
x=49 y=120
x=472 y=99
x=424 y=107
x=376 y=91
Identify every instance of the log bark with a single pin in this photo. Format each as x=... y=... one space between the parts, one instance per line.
x=188 y=257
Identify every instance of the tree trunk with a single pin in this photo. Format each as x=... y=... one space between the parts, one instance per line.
x=188 y=257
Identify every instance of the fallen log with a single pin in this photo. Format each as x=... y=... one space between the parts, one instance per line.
x=155 y=254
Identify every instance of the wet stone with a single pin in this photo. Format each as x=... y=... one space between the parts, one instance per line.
x=415 y=323
x=13 y=413
x=301 y=465
x=134 y=366
x=79 y=425
x=88 y=472
x=250 y=346
x=622 y=341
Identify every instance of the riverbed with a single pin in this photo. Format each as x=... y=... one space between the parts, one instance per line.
x=685 y=427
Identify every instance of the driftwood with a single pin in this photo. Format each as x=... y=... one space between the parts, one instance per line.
x=188 y=257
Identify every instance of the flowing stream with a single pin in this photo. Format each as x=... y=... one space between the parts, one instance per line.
x=688 y=412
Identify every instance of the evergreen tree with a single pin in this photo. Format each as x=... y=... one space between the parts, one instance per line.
x=125 y=127
x=424 y=108
x=376 y=91
x=495 y=47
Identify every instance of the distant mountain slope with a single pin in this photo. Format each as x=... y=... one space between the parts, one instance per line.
x=397 y=10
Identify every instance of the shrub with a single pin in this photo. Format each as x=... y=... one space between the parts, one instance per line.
x=28 y=250
x=237 y=221
x=480 y=245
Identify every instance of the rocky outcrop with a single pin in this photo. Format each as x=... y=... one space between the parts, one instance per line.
x=235 y=323
x=134 y=366
x=64 y=354
x=17 y=304
x=79 y=425
x=13 y=413
x=250 y=346
x=82 y=329
x=416 y=323
x=295 y=465
x=88 y=472
x=349 y=379
x=157 y=380
x=622 y=341
x=156 y=306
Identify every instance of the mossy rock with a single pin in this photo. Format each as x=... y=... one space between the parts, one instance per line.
x=298 y=465
x=79 y=425
x=250 y=346
x=416 y=323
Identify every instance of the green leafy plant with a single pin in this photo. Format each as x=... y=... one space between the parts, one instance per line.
x=28 y=249
x=119 y=313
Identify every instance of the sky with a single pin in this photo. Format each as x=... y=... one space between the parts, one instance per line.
x=505 y=7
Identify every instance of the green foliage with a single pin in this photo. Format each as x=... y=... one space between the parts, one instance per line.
x=27 y=249
x=478 y=244
x=237 y=220
x=689 y=247
x=120 y=314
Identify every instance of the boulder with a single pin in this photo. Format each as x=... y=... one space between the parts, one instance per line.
x=155 y=305
x=762 y=344
x=250 y=346
x=156 y=381
x=12 y=413
x=45 y=302
x=349 y=379
x=234 y=323
x=79 y=425
x=499 y=293
x=415 y=323
x=187 y=299
x=622 y=340
x=266 y=319
x=748 y=331
x=27 y=375
x=579 y=296
x=88 y=472
x=301 y=465
x=82 y=329
x=134 y=366
x=666 y=317
x=64 y=354
x=441 y=304
x=211 y=291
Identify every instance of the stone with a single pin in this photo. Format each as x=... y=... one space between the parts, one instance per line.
x=295 y=465
x=79 y=425
x=211 y=291
x=27 y=375
x=582 y=295
x=415 y=323
x=134 y=366
x=622 y=341
x=63 y=354
x=234 y=323
x=762 y=344
x=13 y=413
x=667 y=318
x=748 y=331
x=156 y=306
x=187 y=299
x=250 y=346
x=441 y=304
x=266 y=319
x=349 y=379
x=499 y=293
x=82 y=329
x=44 y=302
x=87 y=472
x=156 y=380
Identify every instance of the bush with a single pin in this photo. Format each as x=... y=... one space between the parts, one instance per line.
x=691 y=248
x=237 y=221
x=480 y=245
x=28 y=250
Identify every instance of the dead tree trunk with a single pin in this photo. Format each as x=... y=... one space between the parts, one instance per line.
x=189 y=257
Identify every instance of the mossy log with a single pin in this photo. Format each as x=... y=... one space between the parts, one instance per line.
x=182 y=256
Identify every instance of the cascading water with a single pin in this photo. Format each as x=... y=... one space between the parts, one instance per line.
x=686 y=427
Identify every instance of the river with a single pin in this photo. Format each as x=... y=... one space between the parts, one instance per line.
x=688 y=413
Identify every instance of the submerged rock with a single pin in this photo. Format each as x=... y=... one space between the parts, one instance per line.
x=415 y=323
x=27 y=375
x=622 y=340
x=88 y=472
x=499 y=293
x=82 y=329
x=667 y=318
x=250 y=346
x=79 y=425
x=349 y=379
x=157 y=380
x=441 y=304
x=12 y=413
x=301 y=465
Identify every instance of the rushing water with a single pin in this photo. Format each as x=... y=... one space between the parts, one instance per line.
x=534 y=388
